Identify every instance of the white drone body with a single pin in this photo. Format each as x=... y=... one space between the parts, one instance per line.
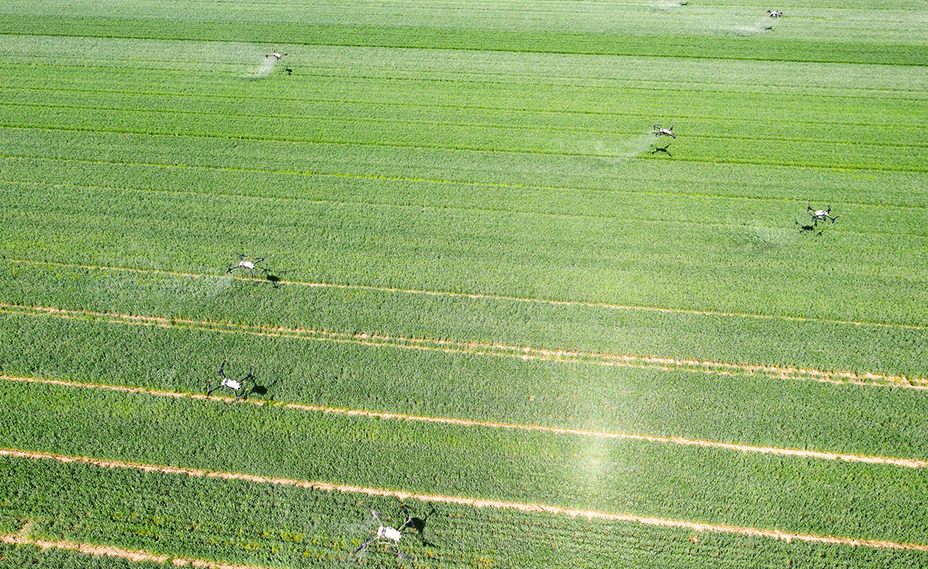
x=389 y=536
x=392 y=534
x=821 y=214
x=234 y=385
x=246 y=263
x=660 y=131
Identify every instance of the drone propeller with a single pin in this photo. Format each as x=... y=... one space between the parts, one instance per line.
x=364 y=545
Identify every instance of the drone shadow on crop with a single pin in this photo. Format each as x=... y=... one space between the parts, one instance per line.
x=418 y=524
x=266 y=276
x=655 y=149
x=272 y=278
x=261 y=390
x=811 y=228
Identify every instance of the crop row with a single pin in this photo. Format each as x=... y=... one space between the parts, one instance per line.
x=461 y=319
x=244 y=522
x=800 y=148
x=892 y=21
x=525 y=110
x=278 y=170
x=400 y=35
x=818 y=416
x=644 y=478
x=869 y=277
x=433 y=177
x=666 y=481
x=425 y=72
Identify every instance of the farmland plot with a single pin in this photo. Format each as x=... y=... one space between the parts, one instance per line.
x=486 y=290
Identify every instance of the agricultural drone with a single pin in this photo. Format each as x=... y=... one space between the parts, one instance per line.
x=390 y=536
x=275 y=55
x=235 y=385
x=247 y=263
x=658 y=131
x=820 y=214
x=774 y=13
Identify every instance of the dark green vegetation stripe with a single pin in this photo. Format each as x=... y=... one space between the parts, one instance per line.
x=660 y=480
x=668 y=45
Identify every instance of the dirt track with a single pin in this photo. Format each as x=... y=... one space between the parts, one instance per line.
x=799 y=453
x=474 y=502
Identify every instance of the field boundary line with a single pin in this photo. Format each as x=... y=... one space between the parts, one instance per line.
x=472 y=502
x=497 y=349
x=135 y=555
x=787 y=452
x=482 y=296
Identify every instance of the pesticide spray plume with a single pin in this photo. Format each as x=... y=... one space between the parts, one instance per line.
x=763 y=24
x=267 y=65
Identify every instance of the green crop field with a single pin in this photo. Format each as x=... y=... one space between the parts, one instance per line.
x=484 y=288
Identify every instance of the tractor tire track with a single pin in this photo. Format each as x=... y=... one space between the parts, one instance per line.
x=788 y=452
x=495 y=349
x=473 y=502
